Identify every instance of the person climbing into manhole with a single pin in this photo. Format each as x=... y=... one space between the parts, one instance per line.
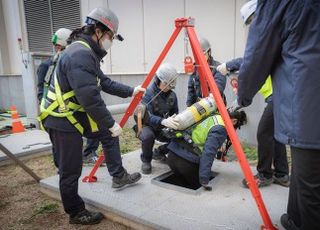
x=193 y=149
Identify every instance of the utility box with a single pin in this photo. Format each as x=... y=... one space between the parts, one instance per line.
x=31 y=63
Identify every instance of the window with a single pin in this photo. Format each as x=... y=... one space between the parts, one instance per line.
x=44 y=17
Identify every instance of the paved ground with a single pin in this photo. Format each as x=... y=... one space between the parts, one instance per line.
x=228 y=206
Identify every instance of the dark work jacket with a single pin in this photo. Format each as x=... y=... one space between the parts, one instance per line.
x=194 y=88
x=284 y=42
x=78 y=69
x=162 y=106
x=41 y=73
x=216 y=136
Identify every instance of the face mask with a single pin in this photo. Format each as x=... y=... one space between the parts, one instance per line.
x=106 y=44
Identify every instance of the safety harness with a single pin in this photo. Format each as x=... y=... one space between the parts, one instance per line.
x=58 y=104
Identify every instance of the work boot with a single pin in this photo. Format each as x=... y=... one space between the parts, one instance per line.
x=146 y=168
x=158 y=156
x=283 y=180
x=260 y=180
x=288 y=223
x=118 y=182
x=86 y=217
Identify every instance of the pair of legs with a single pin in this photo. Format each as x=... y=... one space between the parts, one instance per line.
x=68 y=158
x=148 y=136
x=186 y=171
x=304 y=193
x=270 y=151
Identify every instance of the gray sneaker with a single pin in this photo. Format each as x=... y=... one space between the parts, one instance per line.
x=260 y=180
x=126 y=179
x=283 y=180
x=146 y=167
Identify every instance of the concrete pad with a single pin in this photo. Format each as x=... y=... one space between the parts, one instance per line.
x=25 y=145
x=228 y=206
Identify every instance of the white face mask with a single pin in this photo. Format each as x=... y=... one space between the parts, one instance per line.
x=106 y=44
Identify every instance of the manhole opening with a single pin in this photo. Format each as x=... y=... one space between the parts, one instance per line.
x=171 y=180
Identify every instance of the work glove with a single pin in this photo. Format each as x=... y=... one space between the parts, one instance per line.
x=222 y=68
x=235 y=106
x=138 y=89
x=116 y=130
x=170 y=122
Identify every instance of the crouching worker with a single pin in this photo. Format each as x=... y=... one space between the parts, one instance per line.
x=161 y=106
x=192 y=151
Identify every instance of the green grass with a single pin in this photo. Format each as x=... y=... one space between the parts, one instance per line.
x=128 y=141
x=250 y=152
x=44 y=208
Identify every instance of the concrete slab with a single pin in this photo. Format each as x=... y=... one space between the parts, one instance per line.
x=25 y=145
x=228 y=206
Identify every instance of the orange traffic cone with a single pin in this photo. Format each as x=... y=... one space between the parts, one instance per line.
x=17 y=126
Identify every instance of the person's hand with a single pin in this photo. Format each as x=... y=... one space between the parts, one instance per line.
x=170 y=122
x=116 y=130
x=138 y=89
x=222 y=68
x=235 y=106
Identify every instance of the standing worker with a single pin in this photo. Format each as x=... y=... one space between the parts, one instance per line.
x=74 y=108
x=194 y=87
x=269 y=149
x=284 y=42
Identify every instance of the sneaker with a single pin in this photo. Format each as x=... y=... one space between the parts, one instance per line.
x=288 y=223
x=118 y=182
x=283 y=180
x=86 y=217
x=91 y=159
x=146 y=168
x=260 y=180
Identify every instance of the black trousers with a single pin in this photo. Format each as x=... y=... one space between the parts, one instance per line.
x=304 y=194
x=186 y=171
x=269 y=149
x=148 y=136
x=68 y=157
x=92 y=146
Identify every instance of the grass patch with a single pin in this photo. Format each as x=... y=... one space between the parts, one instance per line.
x=128 y=141
x=44 y=208
x=250 y=152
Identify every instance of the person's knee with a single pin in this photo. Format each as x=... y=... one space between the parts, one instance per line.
x=147 y=136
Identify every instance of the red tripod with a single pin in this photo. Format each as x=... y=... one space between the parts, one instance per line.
x=206 y=78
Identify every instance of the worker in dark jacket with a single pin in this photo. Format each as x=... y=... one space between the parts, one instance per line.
x=269 y=149
x=74 y=108
x=191 y=161
x=162 y=105
x=59 y=41
x=194 y=88
x=283 y=42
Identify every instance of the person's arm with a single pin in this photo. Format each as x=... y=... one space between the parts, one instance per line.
x=41 y=73
x=234 y=64
x=175 y=107
x=215 y=139
x=221 y=81
x=83 y=80
x=263 y=49
x=153 y=119
x=191 y=97
x=113 y=87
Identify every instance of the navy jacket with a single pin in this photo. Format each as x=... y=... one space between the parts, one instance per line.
x=78 y=69
x=284 y=41
x=41 y=73
x=194 y=88
x=165 y=108
x=215 y=139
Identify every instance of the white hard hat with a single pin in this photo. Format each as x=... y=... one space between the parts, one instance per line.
x=247 y=10
x=205 y=45
x=61 y=36
x=167 y=74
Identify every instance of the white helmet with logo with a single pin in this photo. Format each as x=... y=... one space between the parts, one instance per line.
x=247 y=10
x=167 y=74
x=61 y=36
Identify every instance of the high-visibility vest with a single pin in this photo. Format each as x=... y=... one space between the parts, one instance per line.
x=58 y=104
x=200 y=132
x=266 y=89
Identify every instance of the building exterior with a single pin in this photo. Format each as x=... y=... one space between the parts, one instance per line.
x=146 y=26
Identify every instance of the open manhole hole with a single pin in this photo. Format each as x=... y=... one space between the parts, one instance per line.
x=171 y=181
